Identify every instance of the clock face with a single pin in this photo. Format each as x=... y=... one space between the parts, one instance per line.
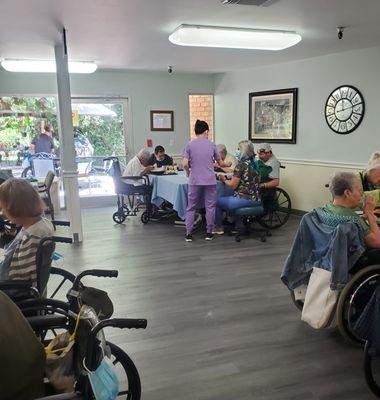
x=344 y=109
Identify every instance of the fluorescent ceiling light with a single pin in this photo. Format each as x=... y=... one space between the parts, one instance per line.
x=234 y=38
x=75 y=67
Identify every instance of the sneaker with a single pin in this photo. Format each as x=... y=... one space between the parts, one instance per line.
x=209 y=236
x=189 y=238
x=218 y=231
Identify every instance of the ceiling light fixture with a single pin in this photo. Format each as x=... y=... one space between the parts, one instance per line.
x=75 y=67
x=234 y=38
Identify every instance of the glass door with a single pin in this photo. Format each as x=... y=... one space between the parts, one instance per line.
x=99 y=132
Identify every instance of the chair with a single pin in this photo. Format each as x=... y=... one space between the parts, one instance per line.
x=44 y=190
x=248 y=215
x=42 y=163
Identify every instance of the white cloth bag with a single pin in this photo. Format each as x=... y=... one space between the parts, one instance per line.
x=320 y=301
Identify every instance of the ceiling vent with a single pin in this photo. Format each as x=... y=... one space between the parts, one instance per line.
x=260 y=3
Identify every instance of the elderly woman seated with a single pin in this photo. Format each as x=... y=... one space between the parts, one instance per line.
x=347 y=194
x=230 y=160
x=370 y=177
x=22 y=205
x=245 y=181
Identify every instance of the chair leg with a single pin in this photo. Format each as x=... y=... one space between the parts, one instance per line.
x=51 y=207
x=246 y=223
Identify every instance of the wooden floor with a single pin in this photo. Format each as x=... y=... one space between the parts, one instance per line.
x=220 y=322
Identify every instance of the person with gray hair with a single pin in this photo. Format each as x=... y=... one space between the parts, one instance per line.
x=245 y=182
x=138 y=166
x=347 y=194
x=370 y=177
x=230 y=160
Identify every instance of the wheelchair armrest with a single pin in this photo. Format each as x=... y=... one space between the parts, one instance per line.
x=134 y=178
x=60 y=223
x=42 y=303
x=144 y=178
x=15 y=284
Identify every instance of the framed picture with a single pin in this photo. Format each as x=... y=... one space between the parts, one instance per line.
x=273 y=116
x=161 y=120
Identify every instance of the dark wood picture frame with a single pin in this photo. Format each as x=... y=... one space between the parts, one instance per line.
x=161 y=120
x=273 y=116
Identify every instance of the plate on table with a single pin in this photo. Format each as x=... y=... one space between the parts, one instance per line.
x=157 y=172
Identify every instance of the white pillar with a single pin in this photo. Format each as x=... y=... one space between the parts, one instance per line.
x=68 y=163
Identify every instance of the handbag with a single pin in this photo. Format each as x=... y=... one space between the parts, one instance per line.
x=59 y=367
x=320 y=301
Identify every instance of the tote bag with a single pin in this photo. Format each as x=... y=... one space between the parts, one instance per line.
x=320 y=301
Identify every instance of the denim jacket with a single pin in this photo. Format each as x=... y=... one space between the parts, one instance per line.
x=335 y=249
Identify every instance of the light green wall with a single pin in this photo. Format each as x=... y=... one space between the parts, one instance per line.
x=146 y=91
x=315 y=78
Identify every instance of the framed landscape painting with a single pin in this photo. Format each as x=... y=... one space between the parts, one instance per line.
x=273 y=116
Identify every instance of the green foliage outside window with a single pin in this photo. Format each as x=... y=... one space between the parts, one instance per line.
x=21 y=117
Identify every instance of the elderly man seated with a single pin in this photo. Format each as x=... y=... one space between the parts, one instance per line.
x=138 y=166
x=347 y=193
x=227 y=158
x=269 y=167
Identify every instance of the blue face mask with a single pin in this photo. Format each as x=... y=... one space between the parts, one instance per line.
x=238 y=154
x=104 y=382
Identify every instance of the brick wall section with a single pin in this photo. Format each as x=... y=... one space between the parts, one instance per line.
x=201 y=107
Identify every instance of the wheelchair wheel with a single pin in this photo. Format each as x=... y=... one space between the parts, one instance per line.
x=277 y=210
x=372 y=368
x=118 y=217
x=145 y=217
x=27 y=172
x=354 y=298
x=129 y=379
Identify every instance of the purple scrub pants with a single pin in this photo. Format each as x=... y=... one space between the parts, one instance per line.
x=193 y=196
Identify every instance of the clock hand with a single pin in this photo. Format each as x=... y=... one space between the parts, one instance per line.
x=343 y=109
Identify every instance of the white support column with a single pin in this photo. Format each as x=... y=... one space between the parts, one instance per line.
x=68 y=163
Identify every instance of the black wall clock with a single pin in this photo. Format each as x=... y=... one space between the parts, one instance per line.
x=344 y=109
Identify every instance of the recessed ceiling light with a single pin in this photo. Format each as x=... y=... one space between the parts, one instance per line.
x=234 y=38
x=75 y=67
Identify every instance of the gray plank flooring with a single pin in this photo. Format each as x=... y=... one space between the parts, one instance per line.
x=220 y=323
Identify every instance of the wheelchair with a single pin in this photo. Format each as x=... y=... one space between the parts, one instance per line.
x=132 y=194
x=365 y=276
x=47 y=316
x=89 y=349
x=18 y=289
x=277 y=207
x=127 y=192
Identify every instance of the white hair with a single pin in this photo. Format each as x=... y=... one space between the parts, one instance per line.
x=374 y=161
x=143 y=154
x=221 y=147
x=246 y=148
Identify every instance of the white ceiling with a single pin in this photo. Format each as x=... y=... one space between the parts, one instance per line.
x=133 y=34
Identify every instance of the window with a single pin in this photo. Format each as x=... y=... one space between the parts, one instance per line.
x=201 y=106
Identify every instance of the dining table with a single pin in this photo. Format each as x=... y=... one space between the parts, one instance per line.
x=173 y=188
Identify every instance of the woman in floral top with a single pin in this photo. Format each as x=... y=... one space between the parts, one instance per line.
x=245 y=182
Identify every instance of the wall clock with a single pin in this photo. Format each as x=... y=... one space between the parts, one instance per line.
x=344 y=109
